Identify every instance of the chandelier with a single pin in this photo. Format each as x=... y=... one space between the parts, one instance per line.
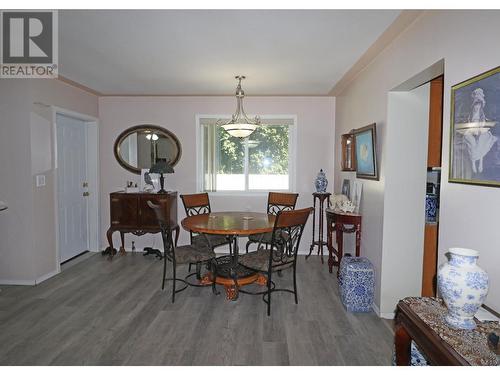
x=240 y=125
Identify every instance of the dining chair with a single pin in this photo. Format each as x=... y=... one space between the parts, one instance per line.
x=282 y=254
x=197 y=204
x=177 y=255
x=276 y=202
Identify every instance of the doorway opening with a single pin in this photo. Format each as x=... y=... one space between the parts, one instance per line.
x=76 y=188
x=412 y=160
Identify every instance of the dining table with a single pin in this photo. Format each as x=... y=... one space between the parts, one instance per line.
x=234 y=224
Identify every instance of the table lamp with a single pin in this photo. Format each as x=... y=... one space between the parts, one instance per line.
x=162 y=167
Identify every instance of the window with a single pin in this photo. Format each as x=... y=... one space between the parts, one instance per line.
x=261 y=162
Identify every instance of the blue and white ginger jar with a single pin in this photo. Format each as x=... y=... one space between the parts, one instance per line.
x=321 y=182
x=431 y=206
x=463 y=285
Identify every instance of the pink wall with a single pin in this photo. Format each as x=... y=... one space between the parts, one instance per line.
x=315 y=133
x=27 y=228
x=468 y=214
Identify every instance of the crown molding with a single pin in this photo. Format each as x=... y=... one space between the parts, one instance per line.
x=214 y=96
x=400 y=24
x=78 y=85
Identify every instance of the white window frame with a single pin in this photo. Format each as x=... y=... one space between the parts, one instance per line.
x=292 y=155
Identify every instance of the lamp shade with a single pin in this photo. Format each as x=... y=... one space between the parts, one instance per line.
x=161 y=167
x=240 y=130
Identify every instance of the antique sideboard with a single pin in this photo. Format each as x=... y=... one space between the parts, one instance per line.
x=130 y=213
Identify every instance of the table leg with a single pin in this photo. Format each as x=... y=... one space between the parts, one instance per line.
x=109 y=235
x=329 y=241
x=402 y=342
x=340 y=244
x=320 y=230
x=122 y=248
x=313 y=228
x=358 y=239
x=232 y=290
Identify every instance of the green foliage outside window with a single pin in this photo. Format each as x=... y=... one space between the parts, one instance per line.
x=268 y=155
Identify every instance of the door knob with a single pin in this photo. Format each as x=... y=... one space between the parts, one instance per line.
x=86 y=194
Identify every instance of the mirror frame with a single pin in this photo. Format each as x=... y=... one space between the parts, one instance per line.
x=136 y=128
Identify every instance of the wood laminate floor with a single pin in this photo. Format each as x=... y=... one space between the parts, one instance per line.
x=98 y=312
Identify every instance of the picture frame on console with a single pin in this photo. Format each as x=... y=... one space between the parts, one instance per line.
x=150 y=182
x=365 y=140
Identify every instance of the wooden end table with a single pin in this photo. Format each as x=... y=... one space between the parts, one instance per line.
x=421 y=319
x=321 y=197
x=340 y=223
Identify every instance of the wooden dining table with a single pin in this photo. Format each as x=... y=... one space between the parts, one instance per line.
x=233 y=225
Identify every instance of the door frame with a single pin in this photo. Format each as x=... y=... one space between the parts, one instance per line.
x=92 y=148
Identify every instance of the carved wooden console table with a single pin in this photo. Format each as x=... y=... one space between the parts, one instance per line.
x=337 y=221
x=130 y=213
x=421 y=319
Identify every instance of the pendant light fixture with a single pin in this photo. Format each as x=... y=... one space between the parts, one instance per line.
x=240 y=125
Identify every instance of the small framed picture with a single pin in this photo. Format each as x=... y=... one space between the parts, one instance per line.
x=366 y=152
x=475 y=130
x=356 y=195
x=150 y=182
x=346 y=188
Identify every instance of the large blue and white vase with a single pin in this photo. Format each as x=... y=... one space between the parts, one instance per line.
x=463 y=285
x=321 y=182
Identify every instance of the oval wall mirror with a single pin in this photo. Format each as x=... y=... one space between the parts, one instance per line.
x=142 y=146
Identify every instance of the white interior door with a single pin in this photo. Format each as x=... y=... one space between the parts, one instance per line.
x=72 y=181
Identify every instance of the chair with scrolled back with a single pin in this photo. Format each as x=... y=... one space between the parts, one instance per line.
x=186 y=254
x=282 y=254
x=276 y=202
x=198 y=204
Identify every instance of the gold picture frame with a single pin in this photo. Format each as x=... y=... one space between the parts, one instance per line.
x=475 y=130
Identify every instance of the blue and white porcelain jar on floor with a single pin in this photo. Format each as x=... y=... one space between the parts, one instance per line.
x=463 y=285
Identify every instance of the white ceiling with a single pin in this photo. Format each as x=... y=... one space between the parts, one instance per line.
x=197 y=52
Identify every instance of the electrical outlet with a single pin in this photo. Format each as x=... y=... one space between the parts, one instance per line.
x=40 y=180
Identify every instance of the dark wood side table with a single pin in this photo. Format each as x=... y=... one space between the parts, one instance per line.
x=321 y=197
x=421 y=319
x=129 y=213
x=337 y=221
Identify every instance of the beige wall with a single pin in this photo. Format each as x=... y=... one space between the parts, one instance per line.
x=16 y=224
x=27 y=228
x=468 y=213
x=315 y=121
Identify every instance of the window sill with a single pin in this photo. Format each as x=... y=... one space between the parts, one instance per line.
x=244 y=193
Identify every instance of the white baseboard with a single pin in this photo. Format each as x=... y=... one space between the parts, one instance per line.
x=46 y=276
x=17 y=282
x=382 y=315
x=29 y=282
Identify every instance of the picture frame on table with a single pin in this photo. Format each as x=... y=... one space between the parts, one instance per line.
x=356 y=195
x=475 y=130
x=150 y=182
x=346 y=188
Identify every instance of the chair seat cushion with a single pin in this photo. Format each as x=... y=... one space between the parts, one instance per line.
x=265 y=238
x=190 y=254
x=259 y=260
x=262 y=237
x=216 y=240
